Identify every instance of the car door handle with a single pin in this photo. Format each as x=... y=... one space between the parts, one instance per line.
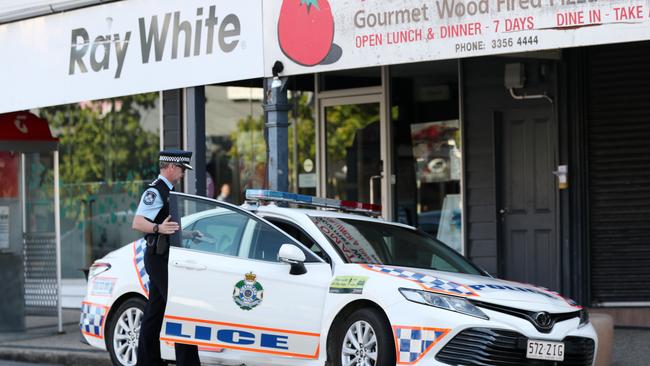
x=189 y=265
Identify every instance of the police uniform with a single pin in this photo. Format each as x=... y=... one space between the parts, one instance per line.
x=154 y=206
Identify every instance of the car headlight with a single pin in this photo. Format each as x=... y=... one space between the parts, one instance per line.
x=452 y=303
x=98 y=268
x=584 y=317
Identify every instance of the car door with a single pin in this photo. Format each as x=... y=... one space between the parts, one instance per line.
x=228 y=290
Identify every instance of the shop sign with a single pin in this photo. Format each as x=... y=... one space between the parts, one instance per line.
x=320 y=35
x=128 y=47
x=307 y=180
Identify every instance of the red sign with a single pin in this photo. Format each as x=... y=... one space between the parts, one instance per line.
x=8 y=174
x=24 y=126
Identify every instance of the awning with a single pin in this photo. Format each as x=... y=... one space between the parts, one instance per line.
x=25 y=132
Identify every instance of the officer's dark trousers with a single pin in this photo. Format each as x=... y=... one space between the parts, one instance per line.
x=149 y=342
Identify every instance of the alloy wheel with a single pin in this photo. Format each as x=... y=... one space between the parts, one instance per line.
x=359 y=345
x=126 y=335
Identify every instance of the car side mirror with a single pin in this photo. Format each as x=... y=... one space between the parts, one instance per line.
x=292 y=255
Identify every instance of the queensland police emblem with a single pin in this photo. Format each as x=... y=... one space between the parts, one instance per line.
x=149 y=198
x=248 y=293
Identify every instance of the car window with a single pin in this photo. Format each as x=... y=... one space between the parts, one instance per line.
x=301 y=236
x=361 y=241
x=218 y=234
x=187 y=241
x=216 y=230
x=266 y=243
x=213 y=227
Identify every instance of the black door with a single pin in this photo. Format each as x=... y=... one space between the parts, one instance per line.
x=527 y=207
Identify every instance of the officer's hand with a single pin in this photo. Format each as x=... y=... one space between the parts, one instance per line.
x=168 y=227
x=195 y=235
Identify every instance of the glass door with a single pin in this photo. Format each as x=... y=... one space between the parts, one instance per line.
x=353 y=152
x=39 y=234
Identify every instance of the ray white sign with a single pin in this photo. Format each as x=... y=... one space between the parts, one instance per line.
x=128 y=47
x=136 y=46
x=320 y=35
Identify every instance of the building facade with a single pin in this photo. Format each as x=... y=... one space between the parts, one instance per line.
x=513 y=132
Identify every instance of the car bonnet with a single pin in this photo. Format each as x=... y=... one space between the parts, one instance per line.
x=477 y=288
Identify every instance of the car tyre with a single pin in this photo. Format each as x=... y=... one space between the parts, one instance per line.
x=364 y=336
x=123 y=332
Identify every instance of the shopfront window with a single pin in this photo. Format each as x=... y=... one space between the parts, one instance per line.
x=235 y=143
x=236 y=148
x=352 y=143
x=302 y=142
x=108 y=154
x=427 y=149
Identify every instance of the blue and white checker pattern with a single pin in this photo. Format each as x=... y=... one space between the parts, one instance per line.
x=430 y=282
x=138 y=251
x=413 y=343
x=92 y=319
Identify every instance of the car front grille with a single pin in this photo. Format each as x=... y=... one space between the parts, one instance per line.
x=530 y=315
x=493 y=347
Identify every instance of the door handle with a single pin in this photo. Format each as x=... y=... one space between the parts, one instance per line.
x=189 y=265
x=372 y=186
x=503 y=213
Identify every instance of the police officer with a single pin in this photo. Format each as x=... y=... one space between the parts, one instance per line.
x=153 y=219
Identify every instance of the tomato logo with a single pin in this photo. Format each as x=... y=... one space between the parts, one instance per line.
x=306 y=31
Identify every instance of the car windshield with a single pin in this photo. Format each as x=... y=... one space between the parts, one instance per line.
x=361 y=241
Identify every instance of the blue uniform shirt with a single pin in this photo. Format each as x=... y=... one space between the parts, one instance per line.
x=150 y=202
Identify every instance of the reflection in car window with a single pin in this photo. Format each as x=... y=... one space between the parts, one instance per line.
x=221 y=234
x=361 y=241
x=216 y=230
x=187 y=241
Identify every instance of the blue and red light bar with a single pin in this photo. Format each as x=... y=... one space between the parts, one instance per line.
x=305 y=200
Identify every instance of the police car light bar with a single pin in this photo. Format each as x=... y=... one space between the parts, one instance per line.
x=305 y=200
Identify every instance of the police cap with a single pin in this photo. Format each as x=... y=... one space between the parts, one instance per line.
x=178 y=157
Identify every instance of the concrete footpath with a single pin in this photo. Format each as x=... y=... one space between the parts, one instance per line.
x=42 y=345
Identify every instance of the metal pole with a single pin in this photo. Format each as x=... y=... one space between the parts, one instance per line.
x=57 y=231
x=296 y=168
x=277 y=122
x=23 y=193
x=23 y=209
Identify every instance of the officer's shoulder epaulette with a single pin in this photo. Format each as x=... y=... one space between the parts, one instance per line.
x=153 y=184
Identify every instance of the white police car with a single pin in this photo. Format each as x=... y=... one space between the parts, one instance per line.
x=268 y=285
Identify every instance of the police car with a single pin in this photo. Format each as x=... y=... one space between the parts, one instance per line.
x=264 y=284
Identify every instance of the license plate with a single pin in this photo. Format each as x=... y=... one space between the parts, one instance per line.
x=544 y=350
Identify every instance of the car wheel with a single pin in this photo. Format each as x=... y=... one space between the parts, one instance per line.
x=124 y=332
x=365 y=339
